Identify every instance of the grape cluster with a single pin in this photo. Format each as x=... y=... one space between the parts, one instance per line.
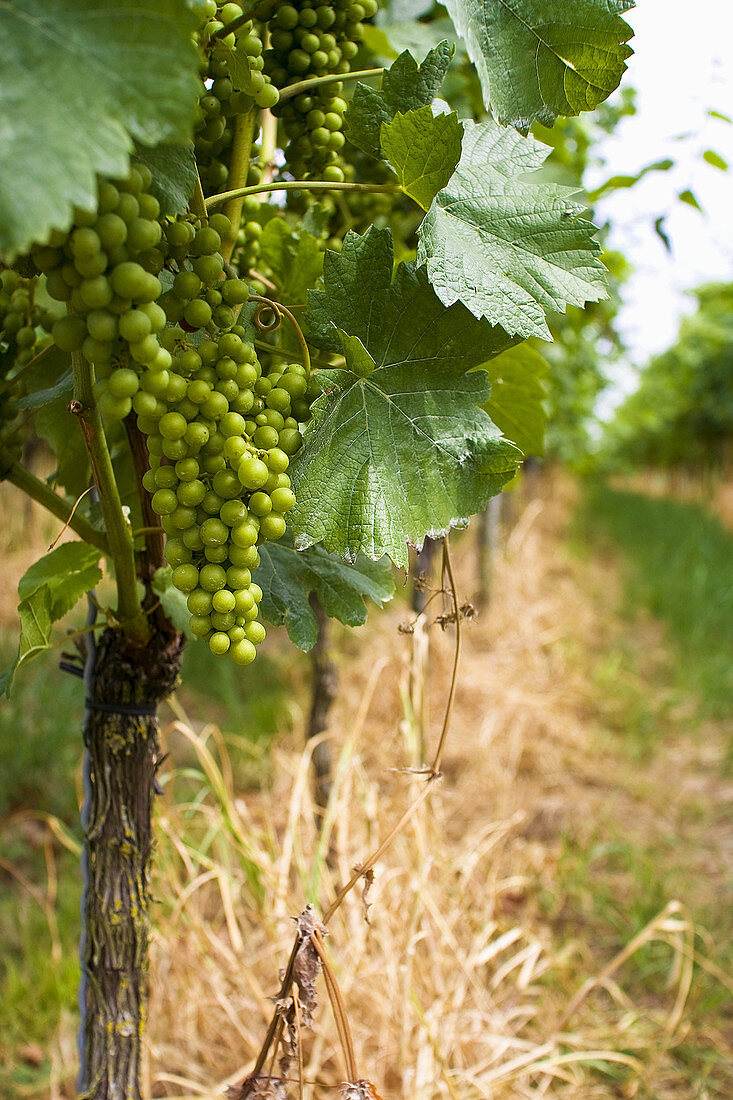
x=220 y=437
x=222 y=100
x=20 y=317
x=219 y=434
x=315 y=39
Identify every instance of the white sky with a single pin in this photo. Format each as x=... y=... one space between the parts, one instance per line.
x=682 y=68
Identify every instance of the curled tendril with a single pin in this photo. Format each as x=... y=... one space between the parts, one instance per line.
x=277 y=311
x=264 y=310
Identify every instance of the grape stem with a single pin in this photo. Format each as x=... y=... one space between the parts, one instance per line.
x=281 y=310
x=119 y=533
x=317 y=81
x=302 y=185
x=43 y=494
x=244 y=129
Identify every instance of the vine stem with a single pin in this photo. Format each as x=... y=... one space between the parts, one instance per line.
x=317 y=81
x=431 y=774
x=337 y=1006
x=448 y=571
x=244 y=130
x=119 y=533
x=52 y=502
x=302 y=185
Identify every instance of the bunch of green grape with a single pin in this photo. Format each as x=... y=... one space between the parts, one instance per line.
x=220 y=437
x=315 y=39
x=21 y=317
x=226 y=93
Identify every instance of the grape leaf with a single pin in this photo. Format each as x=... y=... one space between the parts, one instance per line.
x=59 y=427
x=174 y=174
x=423 y=150
x=295 y=258
x=506 y=246
x=518 y=390
x=36 y=621
x=538 y=59
x=398 y=448
x=68 y=572
x=36 y=399
x=81 y=80
x=288 y=577
x=405 y=87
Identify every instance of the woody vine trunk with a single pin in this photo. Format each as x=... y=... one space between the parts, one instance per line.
x=123 y=758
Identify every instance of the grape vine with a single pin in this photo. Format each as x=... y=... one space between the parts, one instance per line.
x=184 y=177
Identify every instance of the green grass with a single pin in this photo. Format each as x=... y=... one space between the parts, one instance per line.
x=677 y=564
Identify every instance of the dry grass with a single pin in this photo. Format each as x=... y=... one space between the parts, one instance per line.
x=461 y=986
x=458 y=987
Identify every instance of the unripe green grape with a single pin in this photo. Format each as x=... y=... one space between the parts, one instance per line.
x=175 y=449
x=165 y=477
x=244 y=534
x=223 y=601
x=233 y=512
x=123 y=382
x=172 y=426
x=200 y=625
x=252 y=472
x=283 y=500
x=243 y=653
x=212 y=578
x=102 y=325
x=219 y=643
x=226 y=484
x=238 y=578
x=134 y=325
x=272 y=527
x=214 y=532
x=192 y=539
x=289 y=440
x=164 y=502
x=191 y=493
x=187 y=285
x=182 y=517
x=144 y=351
x=176 y=553
x=223 y=620
x=266 y=438
x=260 y=504
x=255 y=632
x=185 y=577
x=234 y=449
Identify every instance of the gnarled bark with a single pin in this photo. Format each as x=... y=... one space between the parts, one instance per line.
x=123 y=758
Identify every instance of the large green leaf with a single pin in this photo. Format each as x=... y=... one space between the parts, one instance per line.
x=423 y=149
x=538 y=59
x=68 y=572
x=398 y=448
x=507 y=246
x=405 y=87
x=80 y=80
x=288 y=578
x=518 y=390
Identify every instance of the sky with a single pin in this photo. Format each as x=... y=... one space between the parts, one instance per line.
x=682 y=69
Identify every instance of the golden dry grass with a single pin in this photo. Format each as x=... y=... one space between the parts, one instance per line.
x=462 y=985
x=458 y=987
